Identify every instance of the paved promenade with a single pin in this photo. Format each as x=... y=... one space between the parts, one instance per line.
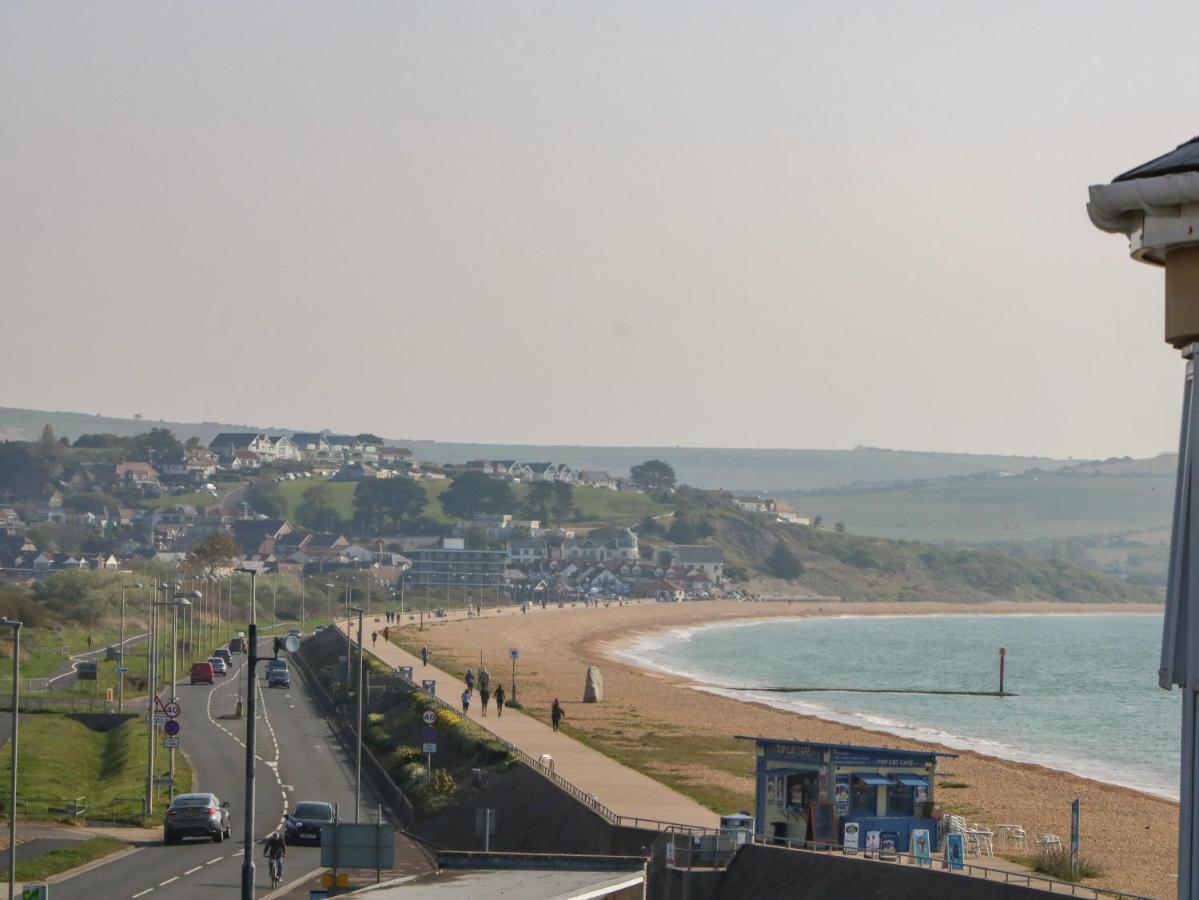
x=624 y=791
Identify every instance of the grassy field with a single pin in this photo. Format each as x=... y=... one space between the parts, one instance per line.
x=61 y=759
x=66 y=858
x=1026 y=507
x=598 y=506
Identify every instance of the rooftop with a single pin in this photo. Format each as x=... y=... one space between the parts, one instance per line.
x=1183 y=158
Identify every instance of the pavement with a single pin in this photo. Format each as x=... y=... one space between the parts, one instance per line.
x=298 y=758
x=625 y=791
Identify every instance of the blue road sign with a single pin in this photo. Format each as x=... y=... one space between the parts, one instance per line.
x=429 y=734
x=171 y=727
x=121 y=669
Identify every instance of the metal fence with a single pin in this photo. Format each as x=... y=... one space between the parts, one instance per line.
x=74 y=808
x=987 y=873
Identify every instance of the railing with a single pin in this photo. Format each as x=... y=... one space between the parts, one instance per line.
x=987 y=873
x=125 y=810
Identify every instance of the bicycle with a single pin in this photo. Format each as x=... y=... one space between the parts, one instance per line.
x=276 y=866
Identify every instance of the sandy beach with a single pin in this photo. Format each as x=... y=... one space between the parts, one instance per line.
x=683 y=736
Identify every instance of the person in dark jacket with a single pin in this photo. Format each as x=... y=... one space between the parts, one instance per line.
x=499 y=700
x=556 y=713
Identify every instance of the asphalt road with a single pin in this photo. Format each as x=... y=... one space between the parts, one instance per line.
x=67 y=676
x=298 y=759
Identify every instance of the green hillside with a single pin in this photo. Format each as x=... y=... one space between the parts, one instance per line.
x=1030 y=507
x=598 y=506
x=706 y=467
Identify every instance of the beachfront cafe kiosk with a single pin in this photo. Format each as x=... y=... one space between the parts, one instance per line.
x=807 y=793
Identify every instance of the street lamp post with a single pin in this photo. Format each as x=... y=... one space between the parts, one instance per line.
x=349 y=641
x=12 y=799
x=329 y=586
x=121 y=663
x=181 y=600
x=358 y=729
x=247 y=864
x=1156 y=205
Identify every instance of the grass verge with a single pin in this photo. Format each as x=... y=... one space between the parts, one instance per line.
x=66 y=858
x=62 y=759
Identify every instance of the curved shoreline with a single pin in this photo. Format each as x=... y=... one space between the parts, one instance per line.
x=625 y=652
x=656 y=723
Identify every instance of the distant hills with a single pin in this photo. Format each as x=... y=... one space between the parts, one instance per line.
x=735 y=470
x=1130 y=498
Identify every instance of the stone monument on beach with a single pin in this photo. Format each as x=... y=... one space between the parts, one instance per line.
x=593 y=690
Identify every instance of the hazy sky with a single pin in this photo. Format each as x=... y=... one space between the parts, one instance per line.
x=745 y=224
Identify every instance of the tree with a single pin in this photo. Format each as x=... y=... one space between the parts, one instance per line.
x=154 y=445
x=48 y=451
x=316 y=509
x=20 y=475
x=265 y=497
x=649 y=525
x=539 y=500
x=378 y=502
x=681 y=531
x=564 y=499
x=215 y=552
x=367 y=438
x=653 y=475
x=473 y=493
x=783 y=563
x=839 y=528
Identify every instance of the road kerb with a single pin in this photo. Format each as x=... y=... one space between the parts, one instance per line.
x=291 y=886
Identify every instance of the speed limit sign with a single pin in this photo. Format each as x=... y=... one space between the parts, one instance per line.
x=172 y=709
x=429 y=717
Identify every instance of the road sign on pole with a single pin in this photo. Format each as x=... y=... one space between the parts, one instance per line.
x=173 y=709
x=171 y=743
x=121 y=670
x=429 y=717
x=171 y=727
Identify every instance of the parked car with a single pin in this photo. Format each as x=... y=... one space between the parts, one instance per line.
x=218 y=665
x=196 y=815
x=202 y=673
x=278 y=677
x=223 y=653
x=306 y=819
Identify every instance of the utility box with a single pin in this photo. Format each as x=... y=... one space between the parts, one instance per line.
x=429 y=686
x=405 y=673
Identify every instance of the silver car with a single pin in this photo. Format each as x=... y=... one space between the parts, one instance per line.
x=196 y=815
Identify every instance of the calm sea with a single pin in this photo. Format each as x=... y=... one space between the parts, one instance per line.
x=1087 y=696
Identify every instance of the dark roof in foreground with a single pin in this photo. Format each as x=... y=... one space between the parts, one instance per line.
x=1183 y=158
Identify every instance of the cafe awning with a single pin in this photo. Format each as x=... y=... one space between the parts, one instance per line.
x=870 y=778
x=911 y=780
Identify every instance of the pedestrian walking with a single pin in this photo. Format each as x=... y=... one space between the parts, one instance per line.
x=499 y=700
x=424 y=655
x=89 y=642
x=484 y=679
x=556 y=713
x=374 y=638
x=386 y=634
x=470 y=681
x=465 y=702
x=484 y=696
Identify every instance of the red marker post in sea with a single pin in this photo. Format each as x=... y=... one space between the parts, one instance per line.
x=1002 y=656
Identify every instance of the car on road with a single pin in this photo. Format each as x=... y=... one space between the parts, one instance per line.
x=202 y=673
x=306 y=819
x=223 y=653
x=219 y=666
x=196 y=815
x=296 y=633
x=278 y=675
x=237 y=645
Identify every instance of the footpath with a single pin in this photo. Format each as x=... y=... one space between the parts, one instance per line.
x=626 y=792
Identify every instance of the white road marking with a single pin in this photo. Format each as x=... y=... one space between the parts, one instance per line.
x=211 y=861
x=196 y=869
x=168 y=881
x=143 y=893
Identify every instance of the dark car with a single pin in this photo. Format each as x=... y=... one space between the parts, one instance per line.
x=223 y=653
x=306 y=819
x=278 y=677
x=196 y=815
x=202 y=673
x=237 y=644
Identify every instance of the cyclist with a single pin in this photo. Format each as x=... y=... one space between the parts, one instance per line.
x=275 y=848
